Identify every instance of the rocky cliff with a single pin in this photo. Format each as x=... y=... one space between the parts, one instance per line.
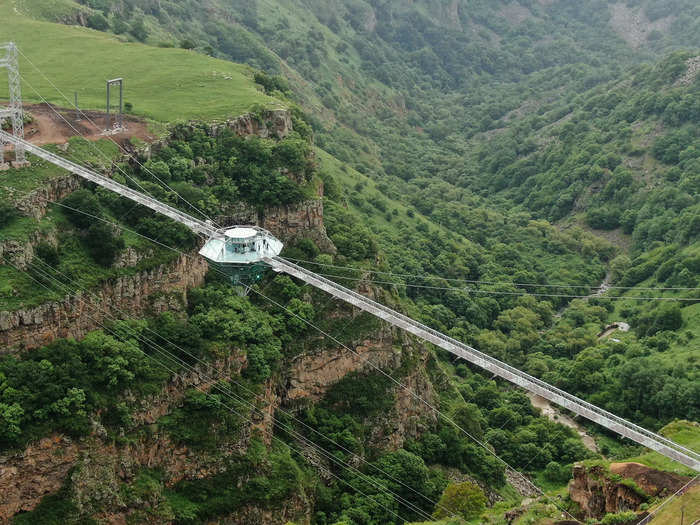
x=93 y=469
x=94 y=466
x=622 y=487
x=151 y=291
x=148 y=292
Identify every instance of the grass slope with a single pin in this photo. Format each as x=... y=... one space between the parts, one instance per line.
x=162 y=84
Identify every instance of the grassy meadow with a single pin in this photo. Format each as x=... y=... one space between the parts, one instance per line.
x=163 y=84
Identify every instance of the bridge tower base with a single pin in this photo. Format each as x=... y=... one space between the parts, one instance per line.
x=8 y=59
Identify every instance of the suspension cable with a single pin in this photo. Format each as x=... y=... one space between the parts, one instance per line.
x=499 y=292
x=181 y=362
x=121 y=148
x=119 y=168
x=413 y=394
x=476 y=281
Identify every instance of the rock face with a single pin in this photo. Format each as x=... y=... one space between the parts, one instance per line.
x=288 y=223
x=20 y=254
x=34 y=204
x=43 y=467
x=272 y=123
x=148 y=292
x=651 y=481
x=313 y=373
x=625 y=487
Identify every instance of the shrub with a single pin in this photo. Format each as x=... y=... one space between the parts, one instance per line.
x=465 y=499
x=82 y=201
x=8 y=213
x=104 y=243
x=97 y=21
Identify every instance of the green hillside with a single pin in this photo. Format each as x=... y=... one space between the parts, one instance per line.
x=485 y=166
x=162 y=84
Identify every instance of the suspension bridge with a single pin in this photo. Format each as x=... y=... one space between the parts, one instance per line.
x=233 y=251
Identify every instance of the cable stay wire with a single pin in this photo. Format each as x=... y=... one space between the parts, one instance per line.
x=215 y=384
x=447 y=288
x=121 y=148
x=668 y=500
x=476 y=281
x=92 y=144
x=151 y=344
x=413 y=394
x=499 y=292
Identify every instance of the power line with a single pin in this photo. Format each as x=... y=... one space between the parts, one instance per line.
x=237 y=383
x=108 y=137
x=228 y=393
x=498 y=292
x=679 y=492
x=412 y=393
x=476 y=281
x=135 y=181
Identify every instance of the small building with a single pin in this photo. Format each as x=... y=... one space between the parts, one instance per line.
x=239 y=251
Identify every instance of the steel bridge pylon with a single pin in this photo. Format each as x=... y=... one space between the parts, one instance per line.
x=8 y=60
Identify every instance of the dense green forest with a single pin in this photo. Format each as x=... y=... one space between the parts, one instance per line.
x=486 y=165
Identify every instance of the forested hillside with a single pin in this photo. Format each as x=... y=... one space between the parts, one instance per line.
x=483 y=166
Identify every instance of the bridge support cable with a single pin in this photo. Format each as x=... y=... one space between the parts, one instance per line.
x=50 y=275
x=576 y=405
x=87 y=117
x=196 y=225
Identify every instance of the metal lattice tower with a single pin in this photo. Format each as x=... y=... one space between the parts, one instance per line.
x=14 y=110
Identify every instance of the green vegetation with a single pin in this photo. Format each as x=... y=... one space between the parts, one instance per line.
x=465 y=151
x=465 y=499
x=198 y=87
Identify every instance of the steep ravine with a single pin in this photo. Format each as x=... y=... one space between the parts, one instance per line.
x=93 y=468
x=156 y=289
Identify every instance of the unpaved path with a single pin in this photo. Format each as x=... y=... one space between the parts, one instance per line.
x=558 y=417
x=50 y=128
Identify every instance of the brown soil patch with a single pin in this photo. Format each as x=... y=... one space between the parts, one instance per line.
x=50 y=128
x=653 y=482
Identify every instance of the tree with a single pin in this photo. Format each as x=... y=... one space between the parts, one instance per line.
x=556 y=472
x=82 y=201
x=188 y=43
x=10 y=419
x=8 y=213
x=138 y=30
x=104 y=243
x=466 y=499
x=97 y=21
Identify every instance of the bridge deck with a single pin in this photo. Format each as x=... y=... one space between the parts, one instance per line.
x=196 y=225
x=606 y=419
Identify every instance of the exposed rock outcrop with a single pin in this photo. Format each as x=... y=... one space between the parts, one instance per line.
x=34 y=203
x=271 y=123
x=313 y=373
x=624 y=487
x=21 y=253
x=148 y=292
x=43 y=467
x=290 y=222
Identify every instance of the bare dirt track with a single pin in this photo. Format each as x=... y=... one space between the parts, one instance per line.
x=49 y=128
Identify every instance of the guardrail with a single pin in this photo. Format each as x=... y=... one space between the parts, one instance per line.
x=604 y=418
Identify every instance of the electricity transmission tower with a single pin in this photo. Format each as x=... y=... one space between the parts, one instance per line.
x=8 y=59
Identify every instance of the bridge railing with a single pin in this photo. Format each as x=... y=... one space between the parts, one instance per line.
x=194 y=224
x=617 y=424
